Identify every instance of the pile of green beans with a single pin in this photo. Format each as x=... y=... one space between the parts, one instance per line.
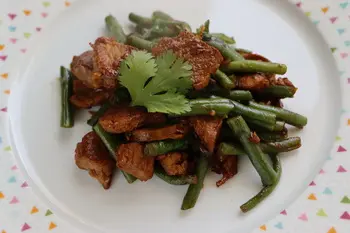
x=254 y=129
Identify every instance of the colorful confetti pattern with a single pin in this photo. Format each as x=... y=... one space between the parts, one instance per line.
x=323 y=208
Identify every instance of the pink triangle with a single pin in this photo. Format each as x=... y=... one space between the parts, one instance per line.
x=23 y=50
x=344 y=55
x=333 y=19
x=14 y=200
x=322 y=171
x=38 y=29
x=13 y=40
x=284 y=212
x=341 y=169
x=345 y=216
x=44 y=15
x=3 y=109
x=25 y=227
x=298 y=4
x=24 y=185
x=341 y=149
x=3 y=58
x=303 y=217
x=11 y=15
x=14 y=167
x=312 y=183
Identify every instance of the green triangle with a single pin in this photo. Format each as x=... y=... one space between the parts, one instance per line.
x=48 y=212
x=8 y=148
x=333 y=49
x=345 y=200
x=27 y=35
x=321 y=213
x=46 y=4
x=337 y=138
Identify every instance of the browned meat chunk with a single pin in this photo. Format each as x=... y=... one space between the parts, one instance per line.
x=98 y=68
x=208 y=130
x=107 y=57
x=92 y=155
x=228 y=168
x=253 y=82
x=283 y=82
x=256 y=57
x=205 y=60
x=156 y=134
x=130 y=158
x=85 y=97
x=174 y=163
x=123 y=119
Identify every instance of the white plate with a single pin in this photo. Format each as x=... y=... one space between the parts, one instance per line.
x=274 y=29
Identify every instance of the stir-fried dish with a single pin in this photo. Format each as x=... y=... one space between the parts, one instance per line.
x=178 y=104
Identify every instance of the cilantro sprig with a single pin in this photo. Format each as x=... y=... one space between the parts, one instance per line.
x=159 y=84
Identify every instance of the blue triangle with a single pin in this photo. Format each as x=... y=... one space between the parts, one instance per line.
x=12 y=179
x=327 y=191
x=0 y=140
x=341 y=73
x=279 y=225
x=344 y=5
x=347 y=43
x=329 y=158
x=12 y=28
x=316 y=22
x=341 y=30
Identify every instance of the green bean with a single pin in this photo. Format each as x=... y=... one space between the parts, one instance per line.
x=115 y=29
x=240 y=95
x=263 y=126
x=230 y=149
x=140 y=20
x=273 y=136
x=139 y=43
x=267 y=190
x=161 y=15
x=289 y=117
x=278 y=91
x=174 y=180
x=224 y=80
x=227 y=51
x=67 y=111
x=260 y=161
x=286 y=145
x=210 y=106
x=224 y=38
x=94 y=118
x=251 y=66
x=112 y=143
x=240 y=50
x=194 y=190
x=248 y=112
x=164 y=147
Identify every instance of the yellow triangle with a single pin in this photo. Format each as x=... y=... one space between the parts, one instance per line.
x=27 y=12
x=2 y=46
x=2 y=195
x=263 y=227
x=7 y=92
x=67 y=3
x=312 y=197
x=4 y=75
x=308 y=14
x=34 y=210
x=52 y=226
x=332 y=230
x=3 y=231
x=325 y=9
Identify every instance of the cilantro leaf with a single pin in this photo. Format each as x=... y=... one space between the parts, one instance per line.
x=157 y=83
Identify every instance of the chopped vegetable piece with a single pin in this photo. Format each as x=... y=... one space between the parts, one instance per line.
x=267 y=190
x=67 y=111
x=263 y=126
x=224 y=37
x=278 y=91
x=260 y=161
x=227 y=51
x=115 y=29
x=175 y=180
x=286 y=145
x=166 y=146
x=161 y=15
x=194 y=190
x=140 y=43
x=224 y=80
x=273 y=136
x=251 y=66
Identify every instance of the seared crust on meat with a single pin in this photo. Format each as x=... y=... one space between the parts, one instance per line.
x=85 y=97
x=176 y=131
x=208 y=129
x=107 y=55
x=253 y=82
x=205 y=60
x=122 y=119
x=92 y=155
x=228 y=168
x=131 y=159
x=174 y=163
x=82 y=67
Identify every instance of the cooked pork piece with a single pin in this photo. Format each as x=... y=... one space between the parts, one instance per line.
x=205 y=60
x=98 y=68
x=131 y=159
x=121 y=119
x=207 y=129
x=253 y=82
x=228 y=168
x=156 y=134
x=85 y=97
x=92 y=155
x=174 y=163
